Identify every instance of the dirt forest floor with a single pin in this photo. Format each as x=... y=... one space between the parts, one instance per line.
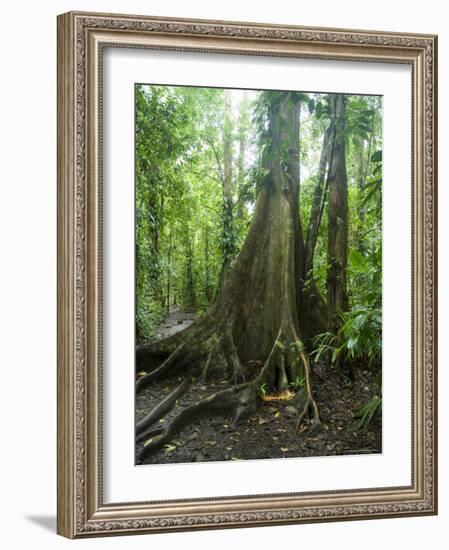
x=270 y=432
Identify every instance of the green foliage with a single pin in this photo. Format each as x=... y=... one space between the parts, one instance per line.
x=326 y=346
x=358 y=339
x=148 y=315
x=163 y=149
x=367 y=412
x=361 y=331
x=359 y=120
x=373 y=185
x=186 y=227
x=181 y=214
x=298 y=383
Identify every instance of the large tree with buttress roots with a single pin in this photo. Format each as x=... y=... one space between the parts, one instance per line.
x=264 y=312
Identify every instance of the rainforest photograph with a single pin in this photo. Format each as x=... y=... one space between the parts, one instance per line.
x=258 y=274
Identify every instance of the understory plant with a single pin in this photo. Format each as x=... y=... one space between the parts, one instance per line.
x=359 y=338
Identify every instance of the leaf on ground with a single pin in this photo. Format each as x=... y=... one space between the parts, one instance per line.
x=277 y=414
x=262 y=421
x=235 y=458
x=169 y=448
x=284 y=449
x=147 y=442
x=141 y=373
x=290 y=410
x=284 y=395
x=302 y=429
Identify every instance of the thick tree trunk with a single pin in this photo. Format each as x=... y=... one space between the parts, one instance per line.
x=260 y=293
x=337 y=251
x=255 y=316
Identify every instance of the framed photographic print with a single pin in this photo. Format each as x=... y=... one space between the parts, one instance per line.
x=246 y=274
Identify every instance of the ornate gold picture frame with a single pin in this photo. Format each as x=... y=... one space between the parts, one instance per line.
x=82 y=40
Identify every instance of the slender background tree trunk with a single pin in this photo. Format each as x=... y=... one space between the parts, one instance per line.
x=337 y=250
x=318 y=201
x=228 y=236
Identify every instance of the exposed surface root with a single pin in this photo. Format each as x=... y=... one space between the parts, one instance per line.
x=162 y=408
x=287 y=366
x=205 y=372
x=235 y=370
x=309 y=405
x=162 y=370
x=214 y=353
x=306 y=407
x=288 y=362
x=148 y=434
x=238 y=400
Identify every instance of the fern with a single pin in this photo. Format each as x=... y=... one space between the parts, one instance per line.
x=367 y=412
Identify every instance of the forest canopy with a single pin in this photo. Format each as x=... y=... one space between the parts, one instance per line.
x=218 y=172
x=199 y=155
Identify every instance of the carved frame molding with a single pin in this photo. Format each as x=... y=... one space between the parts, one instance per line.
x=81 y=39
